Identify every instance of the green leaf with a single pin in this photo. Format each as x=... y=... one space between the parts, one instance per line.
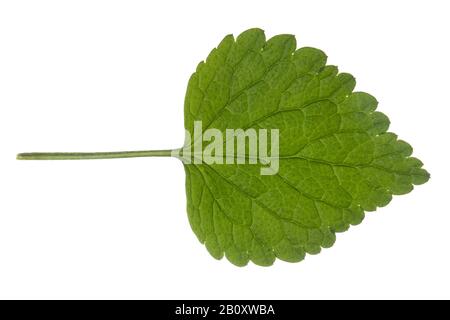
x=337 y=159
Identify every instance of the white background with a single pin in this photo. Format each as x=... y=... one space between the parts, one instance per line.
x=111 y=75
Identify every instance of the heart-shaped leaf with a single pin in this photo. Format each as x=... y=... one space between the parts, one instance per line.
x=331 y=157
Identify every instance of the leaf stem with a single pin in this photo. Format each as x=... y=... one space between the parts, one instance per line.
x=95 y=155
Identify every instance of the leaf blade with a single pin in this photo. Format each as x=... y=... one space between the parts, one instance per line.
x=337 y=158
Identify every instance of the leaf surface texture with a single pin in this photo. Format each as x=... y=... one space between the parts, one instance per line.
x=337 y=159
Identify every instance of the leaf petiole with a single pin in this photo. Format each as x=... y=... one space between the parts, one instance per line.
x=95 y=155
